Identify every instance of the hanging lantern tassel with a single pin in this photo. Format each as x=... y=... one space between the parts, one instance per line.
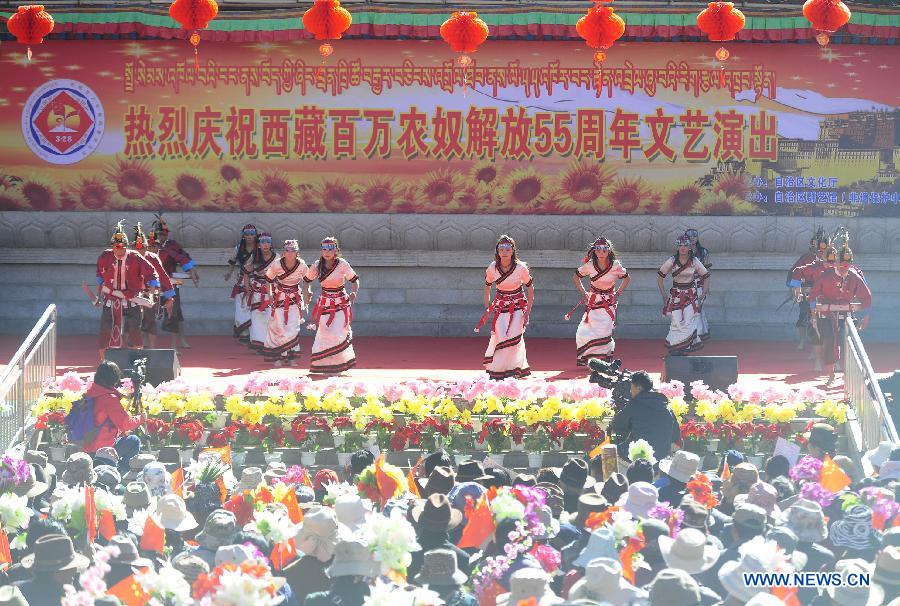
x=599 y=58
x=826 y=17
x=195 y=42
x=29 y=24
x=325 y=51
x=464 y=61
x=722 y=55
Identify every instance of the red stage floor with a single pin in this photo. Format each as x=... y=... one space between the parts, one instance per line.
x=404 y=358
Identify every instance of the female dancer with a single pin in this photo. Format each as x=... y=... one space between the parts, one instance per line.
x=505 y=355
x=701 y=253
x=682 y=305
x=246 y=255
x=331 y=318
x=257 y=284
x=289 y=301
x=594 y=338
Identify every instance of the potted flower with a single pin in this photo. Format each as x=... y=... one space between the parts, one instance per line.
x=537 y=442
x=353 y=441
x=517 y=437
x=305 y=440
x=494 y=433
x=382 y=432
x=339 y=428
x=204 y=475
x=55 y=424
x=186 y=433
x=462 y=440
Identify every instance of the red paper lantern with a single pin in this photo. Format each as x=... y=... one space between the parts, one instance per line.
x=327 y=20
x=600 y=27
x=826 y=17
x=720 y=21
x=193 y=15
x=464 y=32
x=29 y=25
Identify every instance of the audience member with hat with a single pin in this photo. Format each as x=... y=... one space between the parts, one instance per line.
x=434 y=519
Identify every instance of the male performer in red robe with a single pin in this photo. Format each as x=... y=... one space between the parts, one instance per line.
x=842 y=286
x=172 y=255
x=122 y=275
x=817 y=247
x=162 y=297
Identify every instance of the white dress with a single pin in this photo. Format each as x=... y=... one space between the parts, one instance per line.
x=594 y=338
x=505 y=355
x=683 y=305
x=332 y=350
x=286 y=310
x=259 y=302
x=241 y=300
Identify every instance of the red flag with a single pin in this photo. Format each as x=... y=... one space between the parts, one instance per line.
x=5 y=555
x=833 y=477
x=788 y=595
x=726 y=471
x=107 y=524
x=480 y=525
x=90 y=513
x=411 y=478
x=178 y=482
x=223 y=492
x=154 y=537
x=634 y=545
x=293 y=507
x=129 y=592
x=387 y=485
x=283 y=553
x=599 y=447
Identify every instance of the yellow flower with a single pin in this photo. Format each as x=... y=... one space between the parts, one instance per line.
x=448 y=409
x=312 y=404
x=779 y=413
x=679 y=407
x=749 y=412
x=709 y=411
x=833 y=411
x=726 y=410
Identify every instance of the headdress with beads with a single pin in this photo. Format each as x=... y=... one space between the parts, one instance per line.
x=265 y=237
x=139 y=239
x=682 y=240
x=119 y=238
x=291 y=246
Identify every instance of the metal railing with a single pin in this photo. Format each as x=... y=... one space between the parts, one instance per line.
x=864 y=394
x=21 y=381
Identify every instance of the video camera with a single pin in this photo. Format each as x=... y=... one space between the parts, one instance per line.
x=611 y=375
x=137 y=372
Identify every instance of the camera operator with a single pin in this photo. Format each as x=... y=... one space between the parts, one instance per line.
x=646 y=416
x=111 y=420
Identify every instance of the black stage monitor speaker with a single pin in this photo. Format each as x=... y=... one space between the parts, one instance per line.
x=716 y=371
x=162 y=364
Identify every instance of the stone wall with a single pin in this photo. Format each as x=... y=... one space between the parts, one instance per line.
x=423 y=274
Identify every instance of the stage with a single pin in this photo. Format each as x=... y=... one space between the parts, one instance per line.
x=221 y=359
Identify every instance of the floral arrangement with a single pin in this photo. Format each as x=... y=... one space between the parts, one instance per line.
x=248 y=584
x=507 y=505
x=187 y=432
x=392 y=485
x=807 y=469
x=641 y=449
x=91 y=580
x=14 y=516
x=296 y=476
x=68 y=507
x=387 y=594
x=486 y=579
x=700 y=488
x=834 y=412
x=813 y=491
x=274 y=524
x=392 y=541
x=52 y=421
x=672 y=516
x=167 y=587
x=14 y=472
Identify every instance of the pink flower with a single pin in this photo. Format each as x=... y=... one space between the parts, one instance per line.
x=812 y=394
x=755 y=397
x=549 y=558
x=737 y=393
x=232 y=390
x=392 y=392
x=71 y=382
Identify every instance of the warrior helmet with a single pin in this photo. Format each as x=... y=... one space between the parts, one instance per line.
x=139 y=239
x=159 y=226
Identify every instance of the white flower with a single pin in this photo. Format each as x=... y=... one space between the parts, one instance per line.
x=388 y=594
x=137 y=521
x=168 y=586
x=238 y=589
x=273 y=524
x=333 y=491
x=14 y=511
x=623 y=525
x=391 y=540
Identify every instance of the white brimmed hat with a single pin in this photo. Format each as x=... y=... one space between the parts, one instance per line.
x=689 y=551
x=682 y=466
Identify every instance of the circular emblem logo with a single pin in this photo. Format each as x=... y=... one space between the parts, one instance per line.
x=63 y=121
